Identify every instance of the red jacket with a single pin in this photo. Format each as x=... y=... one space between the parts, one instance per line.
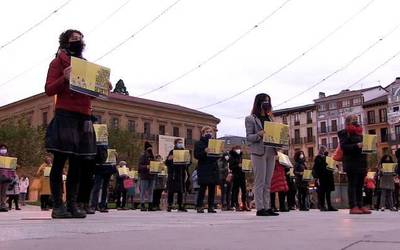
x=56 y=84
x=279 y=183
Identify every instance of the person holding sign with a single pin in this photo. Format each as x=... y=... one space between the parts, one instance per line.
x=354 y=163
x=6 y=176
x=70 y=135
x=44 y=190
x=325 y=179
x=147 y=179
x=386 y=183
x=207 y=170
x=262 y=156
x=178 y=172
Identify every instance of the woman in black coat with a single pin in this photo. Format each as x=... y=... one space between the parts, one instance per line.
x=177 y=174
x=354 y=163
x=325 y=179
x=207 y=170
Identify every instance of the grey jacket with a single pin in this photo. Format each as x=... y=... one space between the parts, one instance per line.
x=255 y=142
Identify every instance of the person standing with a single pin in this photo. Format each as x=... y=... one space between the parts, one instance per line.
x=325 y=179
x=239 y=179
x=177 y=174
x=147 y=179
x=70 y=135
x=354 y=163
x=23 y=189
x=302 y=185
x=44 y=191
x=207 y=170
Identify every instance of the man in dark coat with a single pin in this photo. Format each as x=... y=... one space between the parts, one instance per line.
x=177 y=174
x=207 y=170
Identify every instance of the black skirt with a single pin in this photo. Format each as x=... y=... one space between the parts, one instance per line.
x=71 y=133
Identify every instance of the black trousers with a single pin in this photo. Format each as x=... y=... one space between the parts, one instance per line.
x=44 y=201
x=86 y=181
x=11 y=198
x=202 y=194
x=73 y=178
x=171 y=198
x=355 y=189
x=157 y=193
x=281 y=197
x=238 y=183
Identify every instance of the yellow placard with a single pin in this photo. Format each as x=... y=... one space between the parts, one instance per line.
x=157 y=166
x=369 y=143
x=371 y=175
x=8 y=162
x=247 y=165
x=111 y=156
x=331 y=163
x=181 y=156
x=307 y=175
x=46 y=171
x=216 y=147
x=133 y=174
x=89 y=78
x=284 y=160
x=388 y=168
x=123 y=171
x=101 y=132
x=276 y=134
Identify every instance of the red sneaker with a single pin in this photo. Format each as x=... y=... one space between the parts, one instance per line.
x=356 y=210
x=365 y=210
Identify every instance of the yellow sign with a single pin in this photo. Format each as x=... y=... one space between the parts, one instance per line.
x=101 y=134
x=371 y=175
x=157 y=166
x=331 y=163
x=46 y=171
x=181 y=157
x=247 y=165
x=307 y=175
x=89 y=78
x=284 y=160
x=276 y=134
x=8 y=162
x=216 y=147
x=123 y=171
x=133 y=174
x=388 y=168
x=111 y=156
x=369 y=143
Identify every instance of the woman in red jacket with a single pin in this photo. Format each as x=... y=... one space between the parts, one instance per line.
x=70 y=135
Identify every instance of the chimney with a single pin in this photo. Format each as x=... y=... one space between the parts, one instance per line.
x=321 y=95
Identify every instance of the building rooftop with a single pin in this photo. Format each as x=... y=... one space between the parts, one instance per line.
x=294 y=109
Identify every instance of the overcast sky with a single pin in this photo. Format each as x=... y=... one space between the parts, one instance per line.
x=190 y=32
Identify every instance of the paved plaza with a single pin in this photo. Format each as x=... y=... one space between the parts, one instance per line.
x=33 y=229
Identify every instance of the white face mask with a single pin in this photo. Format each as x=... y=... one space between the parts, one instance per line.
x=238 y=151
x=226 y=157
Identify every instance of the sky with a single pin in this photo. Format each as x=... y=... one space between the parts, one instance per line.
x=191 y=32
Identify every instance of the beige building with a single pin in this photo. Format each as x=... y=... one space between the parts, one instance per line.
x=302 y=129
x=145 y=117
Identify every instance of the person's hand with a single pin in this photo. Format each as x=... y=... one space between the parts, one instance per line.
x=261 y=133
x=360 y=145
x=67 y=72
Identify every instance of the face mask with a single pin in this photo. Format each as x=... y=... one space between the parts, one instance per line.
x=179 y=145
x=3 y=151
x=76 y=47
x=208 y=136
x=226 y=157
x=266 y=106
x=237 y=151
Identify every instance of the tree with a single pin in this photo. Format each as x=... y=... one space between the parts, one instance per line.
x=120 y=88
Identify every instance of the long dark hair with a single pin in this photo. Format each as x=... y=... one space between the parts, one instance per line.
x=64 y=38
x=258 y=100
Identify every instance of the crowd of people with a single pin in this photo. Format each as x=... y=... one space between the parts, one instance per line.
x=71 y=137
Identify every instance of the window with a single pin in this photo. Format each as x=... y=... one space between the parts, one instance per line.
x=189 y=134
x=310 y=153
x=323 y=127
x=371 y=117
x=44 y=119
x=115 y=123
x=384 y=134
x=356 y=101
x=296 y=119
x=309 y=117
x=334 y=125
x=324 y=142
x=98 y=119
x=161 y=129
x=332 y=105
x=345 y=103
x=175 y=131
x=131 y=126
x=146 y=128
x=284 y=119
x=382 y=115
x=297 y=136
x=372 y=132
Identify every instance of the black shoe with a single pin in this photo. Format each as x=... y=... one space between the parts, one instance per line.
x=262 y=212
x=270 y=212
x=332 y=209
x=211 y=211
x=60 y=213
x=200 y=210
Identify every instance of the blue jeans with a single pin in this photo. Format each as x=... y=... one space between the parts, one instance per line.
x=146 y=186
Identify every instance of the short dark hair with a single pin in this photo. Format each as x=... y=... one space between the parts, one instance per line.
x=64 y=37
x=258 y=100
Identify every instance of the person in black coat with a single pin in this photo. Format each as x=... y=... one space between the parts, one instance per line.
x=177 y=174
x=325 y=180
x=207 y=170
x=239 y=179
x=354 y=163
